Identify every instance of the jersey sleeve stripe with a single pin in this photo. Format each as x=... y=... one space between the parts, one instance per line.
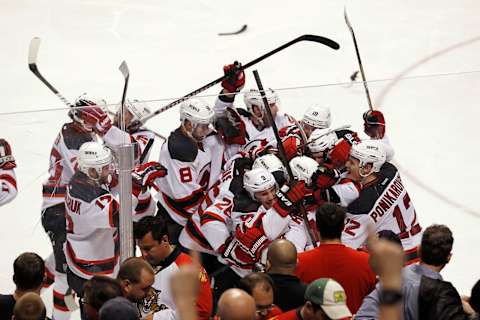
x=9 y=179
x=197 y=235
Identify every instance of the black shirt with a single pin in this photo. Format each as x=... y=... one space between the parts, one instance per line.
x=7 y=302
x=288 y=292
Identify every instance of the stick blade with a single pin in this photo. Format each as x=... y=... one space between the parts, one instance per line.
x=124 y=69
x=326 y=41
x=33 y=52
x=347 y=21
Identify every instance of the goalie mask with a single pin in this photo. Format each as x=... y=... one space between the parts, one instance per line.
x=369 y=152
x=93 y=155
x=258 y=180
x=200 y=115
x=320 y=143
x=303 y=168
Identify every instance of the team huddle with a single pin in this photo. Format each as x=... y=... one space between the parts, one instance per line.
x=219 y=184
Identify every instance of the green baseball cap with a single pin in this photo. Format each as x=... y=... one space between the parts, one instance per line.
x=330 y=296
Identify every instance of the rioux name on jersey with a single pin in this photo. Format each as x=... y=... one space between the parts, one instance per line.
x=388 y=199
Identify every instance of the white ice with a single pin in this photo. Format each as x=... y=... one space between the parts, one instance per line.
x=172 y=47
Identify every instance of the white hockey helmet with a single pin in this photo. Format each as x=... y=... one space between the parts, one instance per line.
x=84 y=101
x=369 y=151
x=197 y=111
x=320 y=140
x=138 y=109
x=94 y=155
x=258 y=180
x=271 y=163
x=317 y=117
x=253 y=97
x=303 y=168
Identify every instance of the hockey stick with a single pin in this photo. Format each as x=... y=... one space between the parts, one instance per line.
x=306 y=37
x=32 y=65
x=358 y=58
x=281 y=150
x=242 y=29
x=126 y=75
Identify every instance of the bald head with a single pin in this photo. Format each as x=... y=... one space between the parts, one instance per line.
x=236 y=304
x=282 y=257
x=29 y=307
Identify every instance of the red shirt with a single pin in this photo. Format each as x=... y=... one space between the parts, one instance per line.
x=347 y=266
x=289 y=315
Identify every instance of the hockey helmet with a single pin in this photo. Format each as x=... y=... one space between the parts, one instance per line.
x=258 y=180
x=94 y=155
x=321 y=140
x=369 y=151
x=317 y=117
x=303 y=168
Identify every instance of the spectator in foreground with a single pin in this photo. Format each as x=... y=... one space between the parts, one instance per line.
x=434 y=252
x=28 y=276
x=118 y=308
x=96 y=292
x=288 y=290
x=260 y=286
x=136 y=277
x=332 y=259
x=236 y=304
x=29 y=307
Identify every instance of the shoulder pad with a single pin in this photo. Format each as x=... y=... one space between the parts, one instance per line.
x=243 y=203
x=73 y=137
x=244 y=112
x=181 y=147
x=79 y=188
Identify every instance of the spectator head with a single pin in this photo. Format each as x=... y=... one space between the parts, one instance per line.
x=260 y=286
x=325 y=299
x=29 y=272
x=97 y=291
x=391 y=236
x=281 y=257
x=475 y=297
x=118 y=308
x=136 y=277
x=151 y=235
x=436 y=246
x=330 y=221
x=236 y=304
x=29 y=307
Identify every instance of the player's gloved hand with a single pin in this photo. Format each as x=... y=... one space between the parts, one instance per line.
x=96 y=118
x=235 y=79
x=324 y=177
x=145 y=174
x=288 y=197
x=231 y=127
x=340 y=153
x=291 y=145
x=374 y=124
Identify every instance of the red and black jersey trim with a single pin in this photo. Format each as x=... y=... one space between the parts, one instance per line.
x=197 y=235
x=92 y=267
x=209 y=216
x=180 y=206
x=59 y=301
x=143 y=205
x=9 y=179
x=411 y=256
x=54 y=191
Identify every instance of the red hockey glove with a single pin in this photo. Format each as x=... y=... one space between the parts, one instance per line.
x=292 y=144
x=96 y=118
x=286 y=200
x=324 y=177
x=7 y=161
x=231 y=128
x=374 y=124
x=145 y=174
x=235 y=79
x=340 y=153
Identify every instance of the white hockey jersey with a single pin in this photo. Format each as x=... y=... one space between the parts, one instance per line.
x=8 y=186
x=385 y=205
x=192 y=169
x=92 y=245
x=159 y=300
x=63 y=162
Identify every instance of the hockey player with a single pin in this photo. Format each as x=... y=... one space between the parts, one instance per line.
x=383 y=203
x=91 y=246
x=320 y=143
x=193 y=157
x=8 y=182
x=63 y=163
x=374 y=127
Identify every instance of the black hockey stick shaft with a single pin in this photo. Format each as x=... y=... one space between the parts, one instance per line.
x=281 y=151
x=32 y=65
x=367 y=92
x=306 y=37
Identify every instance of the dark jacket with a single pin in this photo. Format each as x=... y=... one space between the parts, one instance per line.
x=288 y=291
x=439 y=300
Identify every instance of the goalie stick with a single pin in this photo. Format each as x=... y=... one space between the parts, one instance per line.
x=358 y=58
x=306 y=37
x=282 y=153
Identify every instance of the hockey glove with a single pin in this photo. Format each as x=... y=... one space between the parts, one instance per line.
x=96 y=118
x=340 y=153
x=145 y=174
x=286 y=200
x=292 y=146
x=374 y=124
x=235 y=79
x=324 y=177
x=231 y=128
